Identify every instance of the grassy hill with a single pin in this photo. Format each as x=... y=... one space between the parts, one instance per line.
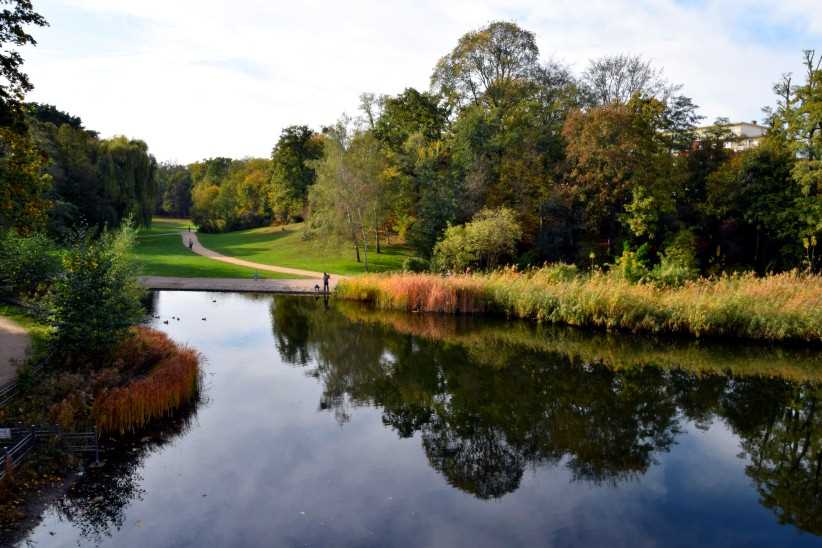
x=285 y=246
x=160 y=252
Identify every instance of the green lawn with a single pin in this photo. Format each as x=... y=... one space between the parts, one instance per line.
x=285 y=246
x=160 y=252
x=165 y=225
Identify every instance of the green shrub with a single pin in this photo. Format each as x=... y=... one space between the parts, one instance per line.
x=677 y=263
x=670 y=272
x=559 y=272
x=630 y=266
x=96 y=300
x=28 y=264
x=415 y=264
x=490 y=236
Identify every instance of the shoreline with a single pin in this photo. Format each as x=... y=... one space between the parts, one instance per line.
x=243 y=285
x=730 y=307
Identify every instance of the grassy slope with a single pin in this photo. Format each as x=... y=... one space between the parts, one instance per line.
x=160 y=252
x=284 y=246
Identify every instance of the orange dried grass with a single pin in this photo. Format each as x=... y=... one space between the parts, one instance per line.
x=172 y=381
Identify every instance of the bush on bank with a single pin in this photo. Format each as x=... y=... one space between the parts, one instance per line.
x=778 y=307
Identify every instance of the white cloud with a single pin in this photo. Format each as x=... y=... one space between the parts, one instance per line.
x=213 y=77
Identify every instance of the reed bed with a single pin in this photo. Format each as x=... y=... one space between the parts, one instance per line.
x=778 y=307
x=172 y=381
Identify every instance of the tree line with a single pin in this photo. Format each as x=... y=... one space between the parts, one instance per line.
x=504 y=159
x=57 y=176
x=544 y=165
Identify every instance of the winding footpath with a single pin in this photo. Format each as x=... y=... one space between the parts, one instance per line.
x=197 y=247
x=312 y=280
x=14 y=343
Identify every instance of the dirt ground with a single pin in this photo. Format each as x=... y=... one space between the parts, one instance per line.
x=14 y=342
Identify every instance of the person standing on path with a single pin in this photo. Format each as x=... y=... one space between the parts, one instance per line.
x=326 y=278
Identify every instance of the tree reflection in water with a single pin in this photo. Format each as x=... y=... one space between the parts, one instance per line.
x=487 y=403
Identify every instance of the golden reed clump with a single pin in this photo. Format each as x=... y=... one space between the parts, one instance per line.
x=419 y=292
x=172 y=380
x=776 y=307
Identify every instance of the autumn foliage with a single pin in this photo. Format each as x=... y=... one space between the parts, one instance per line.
x=171 y=380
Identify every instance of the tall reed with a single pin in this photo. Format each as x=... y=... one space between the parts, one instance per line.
x=778 y=307
x=172 y=381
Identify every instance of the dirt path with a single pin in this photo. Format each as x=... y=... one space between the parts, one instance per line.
x=234 y=284
x=197 y=247
x=14 y=342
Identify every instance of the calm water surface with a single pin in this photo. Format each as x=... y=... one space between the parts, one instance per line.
x=340 y=427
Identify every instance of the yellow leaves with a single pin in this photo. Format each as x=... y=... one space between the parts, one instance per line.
x=391 y=172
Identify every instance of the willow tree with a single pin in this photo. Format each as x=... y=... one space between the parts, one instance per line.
x=128 y=175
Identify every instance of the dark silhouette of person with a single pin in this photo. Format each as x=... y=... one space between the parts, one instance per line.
x=326 y=278
x=191 y=243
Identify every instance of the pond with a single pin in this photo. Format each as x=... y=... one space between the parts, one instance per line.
x=333 y=425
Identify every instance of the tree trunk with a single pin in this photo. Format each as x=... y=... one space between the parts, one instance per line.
x=353 y=233
x=377 y=230
x=365 y=247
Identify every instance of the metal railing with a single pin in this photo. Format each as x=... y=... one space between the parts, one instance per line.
x=27 y=439
x=14 y=455
x=7 y=392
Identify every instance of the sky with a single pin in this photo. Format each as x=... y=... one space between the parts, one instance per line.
x=203 y=78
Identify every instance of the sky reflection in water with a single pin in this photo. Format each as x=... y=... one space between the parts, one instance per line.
x=330 y=428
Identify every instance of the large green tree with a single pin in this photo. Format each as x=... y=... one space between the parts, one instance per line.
x=292 y=173
x=616 y=156
x=752 y=202
x=347 y=202
x=802 y=120
x=487 y=64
